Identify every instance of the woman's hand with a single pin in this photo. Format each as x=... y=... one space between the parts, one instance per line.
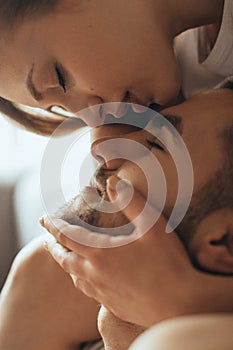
x=142 y=282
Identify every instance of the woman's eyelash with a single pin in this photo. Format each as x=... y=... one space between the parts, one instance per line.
x=61 y=78
x=155 y=145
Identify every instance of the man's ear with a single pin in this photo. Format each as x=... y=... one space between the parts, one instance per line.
x=212 y=245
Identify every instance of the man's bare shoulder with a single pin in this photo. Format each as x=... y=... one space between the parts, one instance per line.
x=193 y=332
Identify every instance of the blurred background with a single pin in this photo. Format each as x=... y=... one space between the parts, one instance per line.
x=21 y=204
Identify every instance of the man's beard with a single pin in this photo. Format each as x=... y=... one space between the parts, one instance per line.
x=78 y=212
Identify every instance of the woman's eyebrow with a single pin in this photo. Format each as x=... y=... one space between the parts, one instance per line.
x=31 y=87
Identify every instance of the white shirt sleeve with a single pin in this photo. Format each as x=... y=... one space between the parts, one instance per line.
x=198 y=75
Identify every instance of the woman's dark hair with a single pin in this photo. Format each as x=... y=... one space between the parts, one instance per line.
x=38 y=121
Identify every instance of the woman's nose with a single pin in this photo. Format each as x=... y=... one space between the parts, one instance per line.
x=91 y=108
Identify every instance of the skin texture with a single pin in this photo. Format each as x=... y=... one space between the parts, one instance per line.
x=83 y=41
x=196 y=332
x=36 y=302
x=207 y=293
x=191 y=128
x=89 y=91
x=116 y=333
x=92 y=268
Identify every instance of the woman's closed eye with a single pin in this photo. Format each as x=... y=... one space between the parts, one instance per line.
x=60 y=77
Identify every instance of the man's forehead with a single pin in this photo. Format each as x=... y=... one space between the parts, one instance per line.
x=175 y=120
x=212 y=110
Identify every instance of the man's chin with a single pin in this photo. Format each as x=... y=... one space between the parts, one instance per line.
x=78 y=212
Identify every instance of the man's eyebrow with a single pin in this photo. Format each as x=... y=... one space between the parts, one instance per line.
x=175 y=120
x=31 y=87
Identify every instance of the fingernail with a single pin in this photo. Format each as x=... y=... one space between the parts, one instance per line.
x=45 y=220
x=41 y=220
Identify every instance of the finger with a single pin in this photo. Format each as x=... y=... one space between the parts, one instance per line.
x=84 y=286
x=73 y=237
x=69 y=261
x=79 y=239
x=156 y=234
x=139 y=211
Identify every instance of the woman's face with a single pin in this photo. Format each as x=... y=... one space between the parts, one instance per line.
x=96 y=52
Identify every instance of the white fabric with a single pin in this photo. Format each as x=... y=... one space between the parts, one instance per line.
x=192 y=45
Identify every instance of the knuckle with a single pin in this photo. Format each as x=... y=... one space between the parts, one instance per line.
x=60 y=236
x=76 y=282
x=95 y=279
x=64 y=263
x=96 y=257
x=83 y=286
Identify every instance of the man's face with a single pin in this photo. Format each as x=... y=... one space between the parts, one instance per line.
x=200 y=121
x=93 y=52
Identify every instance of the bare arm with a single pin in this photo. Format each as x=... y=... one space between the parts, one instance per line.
x=40 y=308
x=202 y=332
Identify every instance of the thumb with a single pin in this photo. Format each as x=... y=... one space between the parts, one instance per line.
x=138 y=210
x=148 y=222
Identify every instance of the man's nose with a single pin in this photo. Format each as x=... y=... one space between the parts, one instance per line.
x=112 y=151
x=106 y=152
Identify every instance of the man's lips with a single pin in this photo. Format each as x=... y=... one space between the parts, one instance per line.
x=99 y=186
x=96 y=191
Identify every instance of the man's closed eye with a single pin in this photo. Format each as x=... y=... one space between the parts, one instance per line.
x=156 y=144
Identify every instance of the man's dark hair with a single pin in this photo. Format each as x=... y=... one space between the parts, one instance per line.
x=216 y=194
